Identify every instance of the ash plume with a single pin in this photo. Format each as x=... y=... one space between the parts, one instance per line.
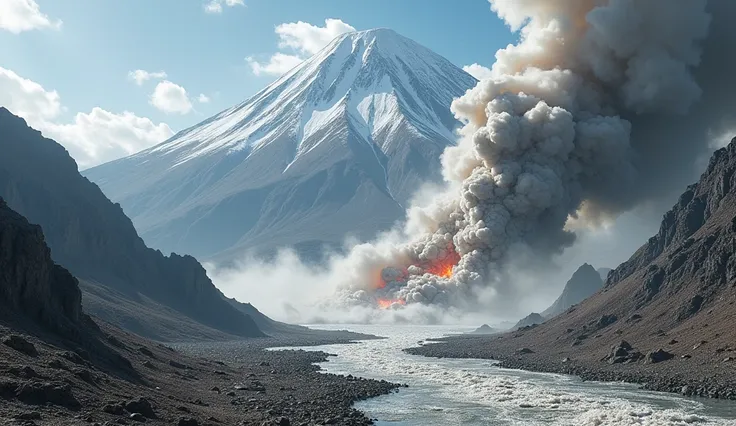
x=547 y=142
x=602 y=107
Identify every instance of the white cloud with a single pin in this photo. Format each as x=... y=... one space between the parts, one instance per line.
x=279 y=64
x=17 y=16
x=102 y=136
x=310 y=39
x=203 y=99
x=303 y=38
x=215 y=6
x=28 y=98
x=171 y=98
x=141 y=76
x=91 y=138
x=478 y=71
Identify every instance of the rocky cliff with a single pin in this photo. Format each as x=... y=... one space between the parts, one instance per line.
x=30 y=282
x=95 y=241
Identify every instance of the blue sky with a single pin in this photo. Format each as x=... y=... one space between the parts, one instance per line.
x=201 y=56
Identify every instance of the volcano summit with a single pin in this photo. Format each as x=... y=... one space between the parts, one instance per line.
x=336 y=146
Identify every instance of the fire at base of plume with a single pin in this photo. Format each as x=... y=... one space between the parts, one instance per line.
x=544 y=136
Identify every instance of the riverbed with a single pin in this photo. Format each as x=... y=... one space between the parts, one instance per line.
x=477 y=392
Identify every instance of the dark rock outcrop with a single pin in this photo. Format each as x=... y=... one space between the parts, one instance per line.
x=21 y=345
x=623 y=353
x=141 y=406
x=659 y=355
x=41 y=393
x=30 y=282
x=92 y=238
x=583 y=284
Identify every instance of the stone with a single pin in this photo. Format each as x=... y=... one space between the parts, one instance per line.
x=187 y=421
x=41 y=393
x=659 y=355
x=116 y=409
x=20 y=344
x=141 y=406
x=138 y=417
x=84 y=374
x=623 y=353
x=606 y=320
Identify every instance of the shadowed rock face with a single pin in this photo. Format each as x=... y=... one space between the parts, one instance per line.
x=94 y=240
x=695 y=242
x=583 y=284
x=30 y=281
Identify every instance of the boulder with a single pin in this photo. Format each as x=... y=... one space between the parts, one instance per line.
x=114 y=408
x=623 y=353
x=20 y=344
x=138 y=417
x=659 y=355
x=142 y=406
x=41 y=393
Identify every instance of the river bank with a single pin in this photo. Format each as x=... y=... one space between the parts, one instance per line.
x=44 y=381
x=676 y=375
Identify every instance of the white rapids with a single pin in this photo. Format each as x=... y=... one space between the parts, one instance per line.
x=476 y=392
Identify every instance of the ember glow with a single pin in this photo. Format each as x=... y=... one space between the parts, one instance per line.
x=387 y=303
x=444 y=267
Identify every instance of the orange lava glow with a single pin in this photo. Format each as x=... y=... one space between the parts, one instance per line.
x=387 y=303
x=443 y=268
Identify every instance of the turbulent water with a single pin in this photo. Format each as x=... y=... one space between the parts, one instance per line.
x=475 y=392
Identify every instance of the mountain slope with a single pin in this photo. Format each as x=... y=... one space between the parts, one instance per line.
x=336 y=146
x=583 y=284
x=95 y=241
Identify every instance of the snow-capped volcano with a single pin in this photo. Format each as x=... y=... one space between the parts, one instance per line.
x=334 y=147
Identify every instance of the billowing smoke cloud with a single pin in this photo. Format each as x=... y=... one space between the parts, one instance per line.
x=601 y=107
x=545 y=140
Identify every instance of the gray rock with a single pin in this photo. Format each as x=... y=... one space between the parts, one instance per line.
x=659 y=355
x=138 y=417
x=142 y=406
x=116 y=409
x=41 y=393
x=21 y=345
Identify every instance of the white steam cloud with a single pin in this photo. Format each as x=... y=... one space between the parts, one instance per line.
x=547 y=142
